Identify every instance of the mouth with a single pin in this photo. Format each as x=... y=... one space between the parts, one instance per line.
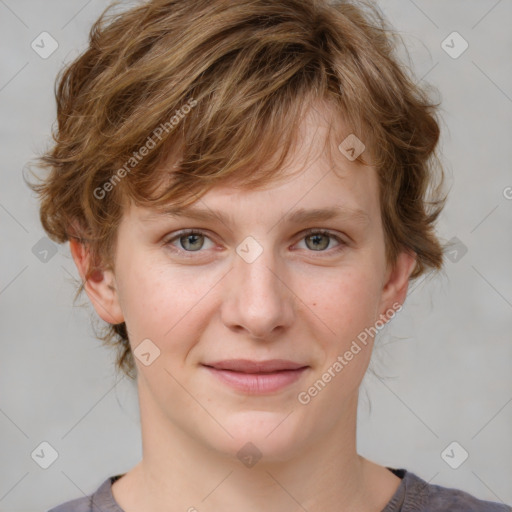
x=257 y=377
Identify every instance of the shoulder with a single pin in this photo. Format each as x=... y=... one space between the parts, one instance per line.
x=100 y=500
x=78 y=505
x=424 y=497
x=455 y=500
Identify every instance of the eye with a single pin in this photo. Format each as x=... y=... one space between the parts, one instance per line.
x=317 y=240
x=188 y=240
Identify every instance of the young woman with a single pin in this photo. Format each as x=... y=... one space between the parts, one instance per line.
x=244 y=188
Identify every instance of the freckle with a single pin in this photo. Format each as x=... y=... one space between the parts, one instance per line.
x=314 y=303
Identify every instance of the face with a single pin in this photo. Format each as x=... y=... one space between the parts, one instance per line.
x=292 y=272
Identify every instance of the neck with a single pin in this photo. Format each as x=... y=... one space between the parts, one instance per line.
x=325 y=474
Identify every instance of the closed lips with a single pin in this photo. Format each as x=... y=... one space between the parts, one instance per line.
x=249 y=366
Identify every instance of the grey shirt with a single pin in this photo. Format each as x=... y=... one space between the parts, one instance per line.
x=413 y=495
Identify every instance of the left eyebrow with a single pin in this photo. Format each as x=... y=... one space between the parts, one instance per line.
x=299 y=216
x=302 y=216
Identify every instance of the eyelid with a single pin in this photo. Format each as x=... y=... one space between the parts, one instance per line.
x=323 y=231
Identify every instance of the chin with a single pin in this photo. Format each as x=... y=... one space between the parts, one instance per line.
x=260 y=436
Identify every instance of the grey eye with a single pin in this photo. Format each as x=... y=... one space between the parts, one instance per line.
x=192 y=241
x=318 y=241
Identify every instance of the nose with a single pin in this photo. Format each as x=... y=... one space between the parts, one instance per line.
x=258 y=298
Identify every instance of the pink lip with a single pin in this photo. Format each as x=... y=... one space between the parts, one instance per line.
x=257 y=377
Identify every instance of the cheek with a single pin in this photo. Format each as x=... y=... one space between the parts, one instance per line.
x=159 y=302
x=346 y=300
x=347 y=305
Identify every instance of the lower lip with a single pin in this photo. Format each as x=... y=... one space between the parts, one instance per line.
x=257 y=383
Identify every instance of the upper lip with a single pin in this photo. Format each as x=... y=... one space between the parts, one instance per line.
x=248 y=366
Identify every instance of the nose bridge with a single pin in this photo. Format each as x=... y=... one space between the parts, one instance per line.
x=258 y=277
x=258 y=299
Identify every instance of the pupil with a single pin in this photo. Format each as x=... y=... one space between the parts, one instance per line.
x=194 y=239
x=316 y=243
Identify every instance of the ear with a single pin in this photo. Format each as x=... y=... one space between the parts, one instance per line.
x=99 y=284
x=396 y=283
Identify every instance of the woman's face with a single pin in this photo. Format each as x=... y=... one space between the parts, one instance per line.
x=295 y=272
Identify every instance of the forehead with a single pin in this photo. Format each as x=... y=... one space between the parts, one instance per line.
x=317 y=175
x=319 y=193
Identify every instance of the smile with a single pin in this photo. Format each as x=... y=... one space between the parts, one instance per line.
x=259 y=382
x=253 y=377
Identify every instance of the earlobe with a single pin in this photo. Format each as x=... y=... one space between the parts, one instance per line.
x=99 y=284
x=397 y=282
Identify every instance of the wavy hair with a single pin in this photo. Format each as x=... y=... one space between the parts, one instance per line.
x=248 y=70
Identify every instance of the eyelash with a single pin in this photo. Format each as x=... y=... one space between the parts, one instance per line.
x=308 y=232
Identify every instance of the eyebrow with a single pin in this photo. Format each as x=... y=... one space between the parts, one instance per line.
x=299 y=216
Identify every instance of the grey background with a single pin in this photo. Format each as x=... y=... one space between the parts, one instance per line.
x=443 y=364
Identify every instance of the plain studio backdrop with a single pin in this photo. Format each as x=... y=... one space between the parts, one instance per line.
x=442 y=388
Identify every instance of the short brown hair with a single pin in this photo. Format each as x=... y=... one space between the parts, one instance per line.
x=246 y=69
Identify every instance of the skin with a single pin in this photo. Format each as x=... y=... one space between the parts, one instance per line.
x=294 y=302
